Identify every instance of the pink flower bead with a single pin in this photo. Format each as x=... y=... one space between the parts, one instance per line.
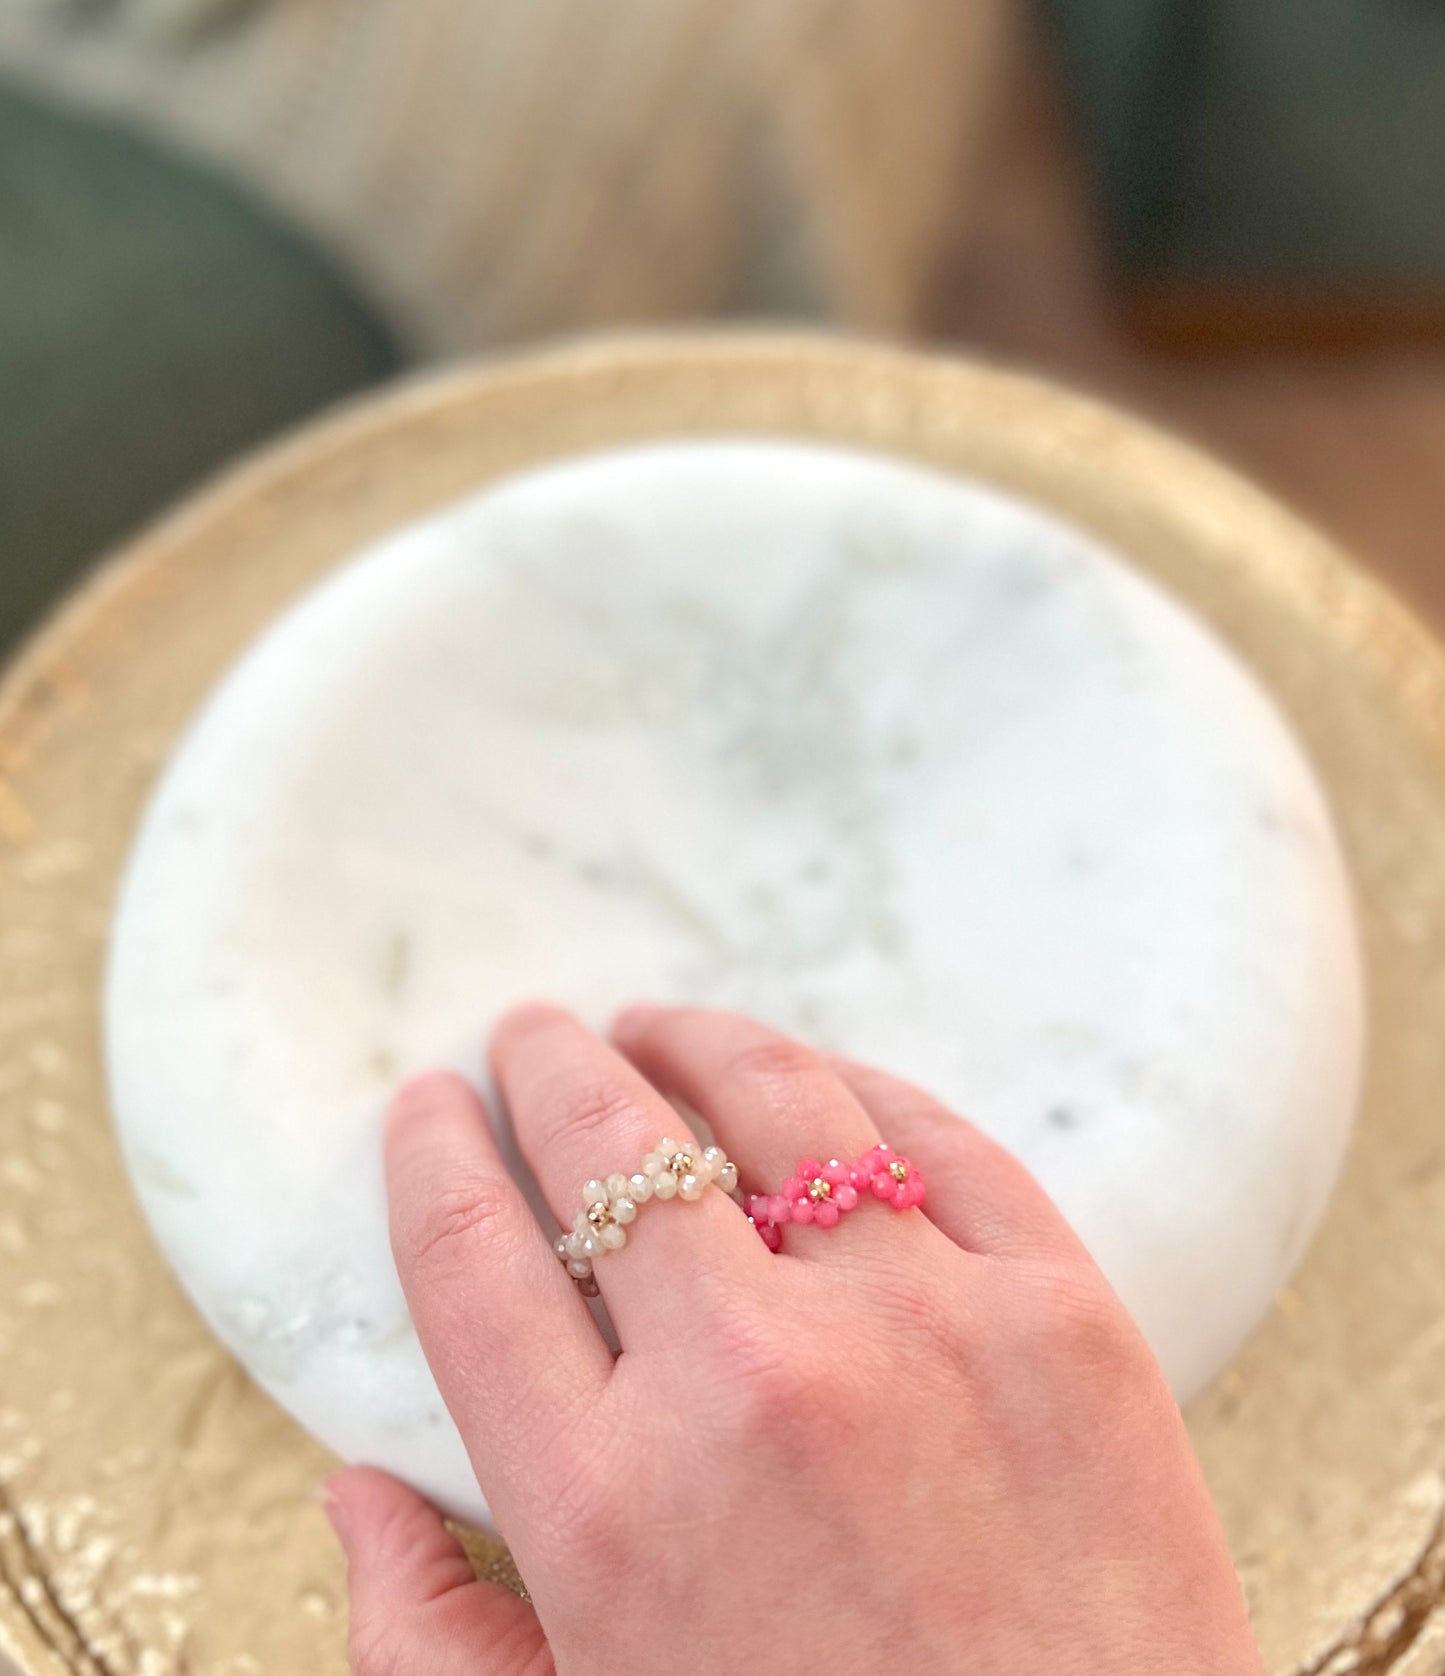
x=801 y=1210
x=778 y=1209
x=825 y=1213
x=883 y=1185
x=845 y=1196
x=834 y=1173
x=794 y=1188
x=772 y=1235
x=808 y=1168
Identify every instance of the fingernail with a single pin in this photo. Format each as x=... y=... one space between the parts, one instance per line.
x=635 y=1014
x=424 y=1091
x=335 y=1509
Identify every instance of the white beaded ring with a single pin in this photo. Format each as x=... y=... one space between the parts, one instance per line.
x=671 y=1171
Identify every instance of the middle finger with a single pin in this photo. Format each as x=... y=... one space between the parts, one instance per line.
x=582 y=1113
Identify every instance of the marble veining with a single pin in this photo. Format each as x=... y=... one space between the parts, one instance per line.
x=902 y=764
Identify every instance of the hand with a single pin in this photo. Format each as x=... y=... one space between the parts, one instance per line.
x=921 y=1441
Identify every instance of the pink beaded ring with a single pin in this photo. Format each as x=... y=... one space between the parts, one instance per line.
x=822 y=1194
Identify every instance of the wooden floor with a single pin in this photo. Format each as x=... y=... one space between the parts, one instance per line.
x=1354 y=439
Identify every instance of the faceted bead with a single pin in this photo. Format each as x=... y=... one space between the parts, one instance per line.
x=834 y=1173
x=575 y=1245
x=654 y=1164
x=664 y=1186
x=825 y=1213
x=691 y=1187
x=667 y=1146
x=801 y=1210
x=727 y=1177
x=808 y=1168
x=639 y=1188
x=845 y=1196
x=883 y=1185
x=794 y=1187
x=613 y=1238
x=616 y=1185
x=594 y=1193
x=623 y=1209
x=559 y=1245
x=579 y=1268
x=780 y=1210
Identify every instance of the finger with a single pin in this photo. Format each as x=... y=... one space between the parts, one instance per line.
x=979 y=1194
x=582 y=1113
x=777 y=1106
x=513 y=1347
x=415 y=1605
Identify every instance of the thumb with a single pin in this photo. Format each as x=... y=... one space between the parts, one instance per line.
x=415 y=1605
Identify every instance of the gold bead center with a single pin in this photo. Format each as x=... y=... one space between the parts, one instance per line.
x=819 y=1189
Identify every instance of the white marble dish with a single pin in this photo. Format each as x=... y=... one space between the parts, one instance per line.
x=903 y=765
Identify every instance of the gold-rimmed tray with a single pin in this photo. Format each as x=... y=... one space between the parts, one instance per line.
x=156 y=1511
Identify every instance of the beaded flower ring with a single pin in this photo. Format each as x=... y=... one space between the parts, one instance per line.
x=822 y=1194
x=609 y=1206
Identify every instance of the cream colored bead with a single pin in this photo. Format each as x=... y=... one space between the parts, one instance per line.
x=559 y=1245
x=574 y=1245
x=613 y=1237
x=654 y=1164
x=579 y=1268
x=691 y=1187
x=664 y=1186
x=591 y=1245
x=623 y=1210
x=713 y=1159
x=594 y=1193
x=727 y=1178
x=667 y=1146
x=616 y=1185
x=639 y=1188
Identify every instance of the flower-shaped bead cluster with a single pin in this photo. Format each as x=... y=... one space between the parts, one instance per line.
x=673 y=1170
x=892 y=1178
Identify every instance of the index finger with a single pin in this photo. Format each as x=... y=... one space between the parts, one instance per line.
x=514 y=1349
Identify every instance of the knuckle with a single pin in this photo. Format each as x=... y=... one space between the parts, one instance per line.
x=467 y=1212
x=779 y=1388
x=1074 y=1318
x=588 y=1111
x=425 y=1094
x=922 y=1313
x=775 y=1059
